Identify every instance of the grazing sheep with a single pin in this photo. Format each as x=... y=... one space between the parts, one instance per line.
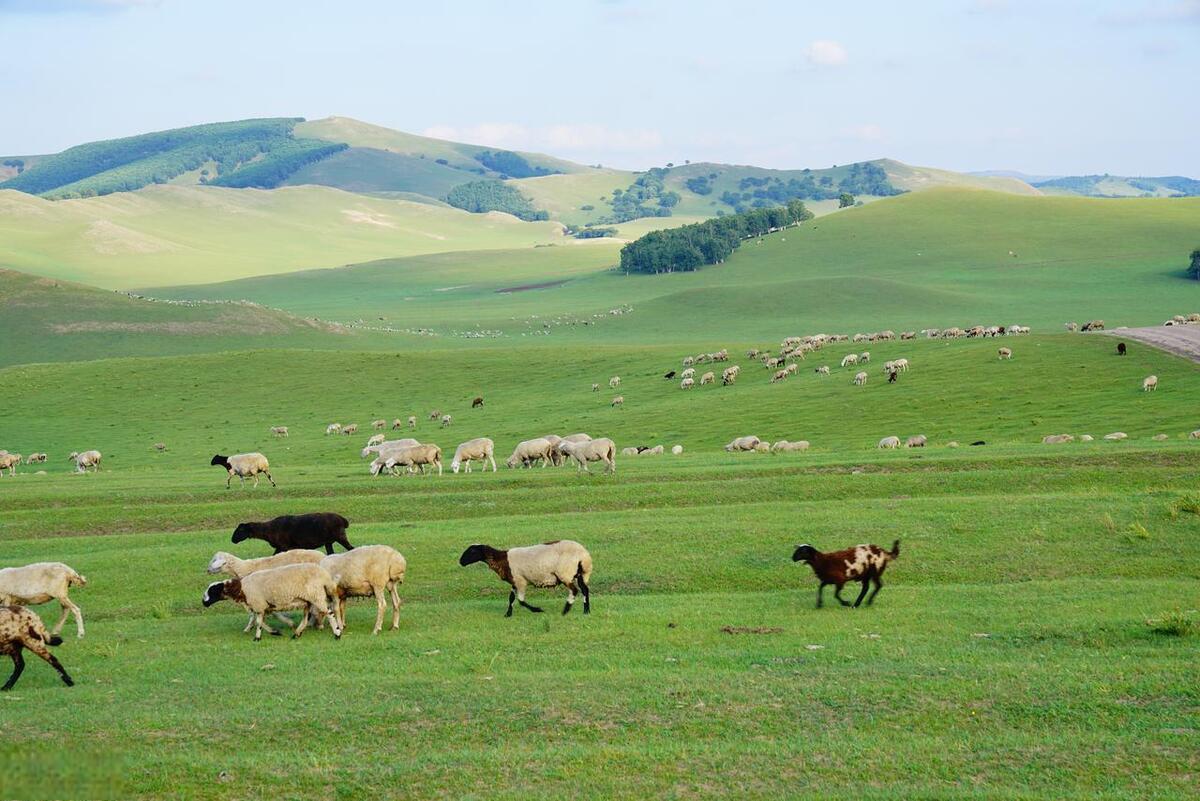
x=279 y=431
x=708 y=378
x=376 y=439
x=378 y=425
x=446 y=420
x=350 y=429
x=595 y=387
x=688 y=361
x=369 y=570
x=687 y=383
x=917 y=441
x=629 y=451
x=1116 y=436
x=822 y=370
x=908 y=335
x=669 y=375
x=688 y=373
x=413 y=459
x=242 y=465
x=1005 y=353
x=784 y=445
x=779 y=375
x=303 y=586
x=85 y=460
x=412 y=422
x=952 y=444
x=729 y=375
x=865 y=356
x=849 y=359
x=596 y=450
x=889 y=442
x=762 y=447
x=387 y=445
x=1160 y=438
x=580 y=437
x=657 y=450
x=398 y=423
x=747 y=443
x=614 y=382
x=676 y=450
x=435 y=415
x=1086 y=438
x=333 y=428
x=1093 y=325
x=477 y=402
x=860 y=379
x=1194 y=434
x=530 y=451
x=21 y=629
x=292 y=532
x=9 y=462
x=547 y=565
x=1121 y=349
x=40 y=583
x=901 y=365
x=35 y=458
x=479 y=449
x=555 y=456
x=1058 y=439
x=862 y=563
x=1150 y=383
x=617 y=400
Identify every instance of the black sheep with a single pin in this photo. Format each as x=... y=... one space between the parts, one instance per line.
x=1120 y=348
x=670 y=375
x=290 y=532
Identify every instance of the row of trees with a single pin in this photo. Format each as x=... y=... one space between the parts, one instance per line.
x=277 y=164
x=482 y=196
x=510 y=165
x=691 y=247
x=1194 y=267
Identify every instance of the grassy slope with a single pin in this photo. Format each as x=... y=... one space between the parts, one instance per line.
x=364 y=169
x=362 y=134
x=1068 y=696
x=1113 y=186
x=173 y=234
x=934 y=258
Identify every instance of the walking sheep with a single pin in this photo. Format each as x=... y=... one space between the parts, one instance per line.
x=860 y=379
x=863 y=563
x=85 y=460
x=369 y=570
x=223 y=562
x=9 y=462
x=618 y=400
x=889 y=443
x=21 y=629
x=242 y=465
x=481 y=449
x=290 y=532
x=40 y=583
x=305 y=586
x=530 y=451
x=596 y=450
x=1005 y=353
x=614 y=382
x=477 y=403
x=279 y=431
x=547 y=565
x=1150 y=383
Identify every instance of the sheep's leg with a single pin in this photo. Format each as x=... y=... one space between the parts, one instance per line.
x=249 y=623
x=570 y=597
x=273 y=484
x=18 y=669
x=861 y=594
x=512 y=596
x=303 y=622
x=395 y=607
x=493 y=461
x=837 y=593
x=878 y=586
x=380 y=608
x=62 y=620
x=41 y=650
x=820 y=590
x=258 y=626
x=68 y=604
x=228 y=479
x=521 y=600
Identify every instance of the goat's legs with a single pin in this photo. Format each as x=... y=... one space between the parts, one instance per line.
x=820 y=600
x=837 y=593
x=878 y=586
x=862 y=594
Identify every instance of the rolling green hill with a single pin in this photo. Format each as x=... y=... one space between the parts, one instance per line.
x=197 y=234
x=1116 y=186
x=934 y=258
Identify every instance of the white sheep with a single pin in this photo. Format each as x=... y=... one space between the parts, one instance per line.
x=614 y=382
x=784 y=445
x=530 y=451
x=387 y=444
x=1150 y=383
x=413 y=459
x=9 y=462
x=687 y=383
x=916 y=441
x=889 y=442
x=376 y=439
x=412 y=422
x=822 y=370
x=676 y=450
x=333 y=428
x=223 y=562
x=1086 y=438
x=303 y=586
x=1057 y=439
x=762 y=447
x=596 y=450
x=708 y=378
x=547 y=565
x=849 y=359
x=657 y=450
x=860 y=379
x=901 y=365
x=368 y=570
x=618 y=400
x=1116 y=436
x=398 y=423
x=747 y=443
x=480 y=449
x=688 y=373
x=1005 y=353
x=595 y=387
x=85 y=460
x=379 y=425
x=865 y=356
x=39 y=583
x=243 y=465
x=629 y=451
x=279 y=431
x=1194 y=434
x=446 y=420
x=350 y=429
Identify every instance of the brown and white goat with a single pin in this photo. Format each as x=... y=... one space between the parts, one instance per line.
x=863 y=563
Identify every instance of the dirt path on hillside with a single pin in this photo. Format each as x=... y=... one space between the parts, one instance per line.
x=1182 y=340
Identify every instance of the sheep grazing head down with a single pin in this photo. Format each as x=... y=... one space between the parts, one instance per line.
x=804 y=553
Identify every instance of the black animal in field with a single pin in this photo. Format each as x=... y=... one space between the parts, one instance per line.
x=289 y=532
x=1120 y=348
x=669 y=375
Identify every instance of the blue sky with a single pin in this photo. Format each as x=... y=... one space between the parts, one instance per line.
x=1043 y=87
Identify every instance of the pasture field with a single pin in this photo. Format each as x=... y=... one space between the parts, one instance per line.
x=936 y=258
x=1008 y=656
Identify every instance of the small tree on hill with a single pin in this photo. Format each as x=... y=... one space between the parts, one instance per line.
x=1194 y=267
x=845 y=199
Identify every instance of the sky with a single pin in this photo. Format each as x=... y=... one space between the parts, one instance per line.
x=1048 y=88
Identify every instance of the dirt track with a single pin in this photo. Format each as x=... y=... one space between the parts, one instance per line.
x=1182 y=340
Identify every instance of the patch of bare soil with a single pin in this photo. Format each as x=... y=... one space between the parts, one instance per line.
x=1182 y=340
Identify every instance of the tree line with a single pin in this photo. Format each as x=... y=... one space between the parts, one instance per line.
x=691 y=247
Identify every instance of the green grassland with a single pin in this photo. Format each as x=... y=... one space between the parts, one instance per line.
x=179 y=234
x=1008 y=655
x=369 y=170
x=935 y=258
x=1118 y=186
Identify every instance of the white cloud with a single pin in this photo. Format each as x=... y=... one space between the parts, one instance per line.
x=558 y=138
x=826 y=53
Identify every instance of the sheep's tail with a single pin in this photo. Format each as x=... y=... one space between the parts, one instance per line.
x=895 y=549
